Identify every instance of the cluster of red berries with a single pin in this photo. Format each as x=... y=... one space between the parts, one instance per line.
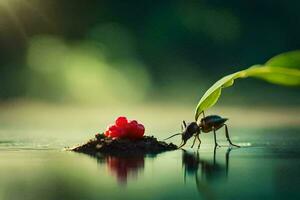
x=125 y=129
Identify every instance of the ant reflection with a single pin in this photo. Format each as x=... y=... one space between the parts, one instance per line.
x=122 y=166
x=204 y=171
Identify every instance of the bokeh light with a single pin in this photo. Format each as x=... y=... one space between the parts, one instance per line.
x=84 y=72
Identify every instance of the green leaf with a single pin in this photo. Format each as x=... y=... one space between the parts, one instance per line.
x=212 y=95
x=282 y=69
x=287 y=60
x=276 y=75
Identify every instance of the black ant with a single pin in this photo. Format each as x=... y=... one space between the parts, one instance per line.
x=206 y=125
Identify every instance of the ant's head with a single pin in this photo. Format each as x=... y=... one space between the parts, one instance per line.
x=190 y=130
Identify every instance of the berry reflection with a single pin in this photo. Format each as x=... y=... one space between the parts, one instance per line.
x=124 y=167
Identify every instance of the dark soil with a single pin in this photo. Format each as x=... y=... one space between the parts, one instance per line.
x=105 y=145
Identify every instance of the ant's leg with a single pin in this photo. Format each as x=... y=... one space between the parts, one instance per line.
x=193 y=142
x=199 y=141
x=228 y=138
x=203 y=114
x=215 y=137
x=182 y=144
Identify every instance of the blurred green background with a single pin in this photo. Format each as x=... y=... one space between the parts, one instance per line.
x=68 y=68
x=113 y=52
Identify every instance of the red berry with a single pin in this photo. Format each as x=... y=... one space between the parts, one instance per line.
x=122 y=133
x=113 y=134
x=121 y=122
x=115 y=131
x=125 y=129
x=106 y=133
x=131 y=129
x=112 y=127
x=140 y=131
x=132 y=125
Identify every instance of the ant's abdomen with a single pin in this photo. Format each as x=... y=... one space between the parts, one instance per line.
x=208 y=122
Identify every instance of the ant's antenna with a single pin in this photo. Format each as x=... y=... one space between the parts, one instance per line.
x=173 y=136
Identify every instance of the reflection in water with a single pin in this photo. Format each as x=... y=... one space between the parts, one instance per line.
x=122 y=166
x=204 y=171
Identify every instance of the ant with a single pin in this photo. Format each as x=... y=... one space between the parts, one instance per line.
x=206 y=125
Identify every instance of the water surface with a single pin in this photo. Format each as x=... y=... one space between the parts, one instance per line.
x=267 y=167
